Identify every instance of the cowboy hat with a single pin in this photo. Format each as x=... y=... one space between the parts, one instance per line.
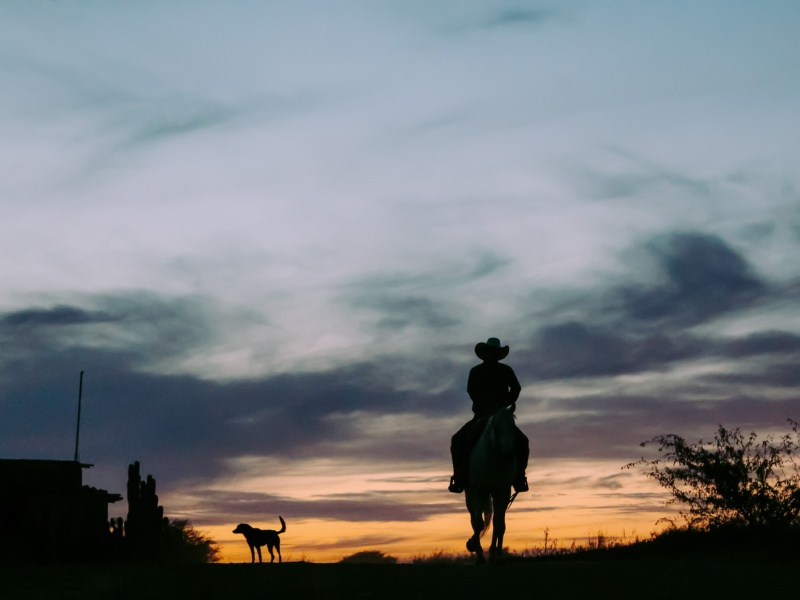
x=491 y=349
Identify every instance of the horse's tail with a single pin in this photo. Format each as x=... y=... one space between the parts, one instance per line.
x=488 y=512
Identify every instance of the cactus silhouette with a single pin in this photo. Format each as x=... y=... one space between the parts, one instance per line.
x=145 y=525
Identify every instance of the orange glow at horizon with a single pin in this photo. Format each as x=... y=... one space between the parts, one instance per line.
x=573 y=501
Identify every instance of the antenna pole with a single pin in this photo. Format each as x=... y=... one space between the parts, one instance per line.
x=78 y=431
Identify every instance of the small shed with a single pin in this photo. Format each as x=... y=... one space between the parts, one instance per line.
x=47 y=514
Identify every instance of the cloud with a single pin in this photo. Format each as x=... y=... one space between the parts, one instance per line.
x=648 y=320
x=477 y=265
x=632 y=176
x=701 y=278
x=404 y=300
x=148 y=328
x=58 y=315
x=364 y=507
x=398 y=407
x=183 y=425
x=180 y=120
x=519 y=17
x=764 y=342
x=785 y=375
x=363 y=541
x=576 y=349
x=403 y=312
x=612 y=426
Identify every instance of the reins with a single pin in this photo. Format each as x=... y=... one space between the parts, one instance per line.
x=511 y=500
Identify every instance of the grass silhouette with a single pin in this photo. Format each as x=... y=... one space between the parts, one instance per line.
x=725 y=563
x=604 y=573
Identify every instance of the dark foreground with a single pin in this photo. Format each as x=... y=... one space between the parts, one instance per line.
x=673 y=578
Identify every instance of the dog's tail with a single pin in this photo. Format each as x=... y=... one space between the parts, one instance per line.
x=283 y=525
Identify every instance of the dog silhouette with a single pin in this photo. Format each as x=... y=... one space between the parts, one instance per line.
x=256 y=538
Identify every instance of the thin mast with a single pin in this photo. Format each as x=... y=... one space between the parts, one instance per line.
x=78 y=431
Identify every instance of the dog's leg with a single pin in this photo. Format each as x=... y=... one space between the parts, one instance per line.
x=271 y=553
x=252 y=554
x=278 y=548
x=259 y=553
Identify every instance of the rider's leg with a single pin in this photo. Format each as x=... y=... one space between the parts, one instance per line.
x=522 y=451
x=460 y=447
x=460 y=456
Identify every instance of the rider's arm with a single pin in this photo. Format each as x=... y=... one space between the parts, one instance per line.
x=514 y=388
x=471 y=386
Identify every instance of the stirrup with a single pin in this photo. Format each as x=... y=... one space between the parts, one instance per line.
x=454 y=486
x=521 y=485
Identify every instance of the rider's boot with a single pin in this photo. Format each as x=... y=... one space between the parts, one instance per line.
x=521 y=483
x=457 y=484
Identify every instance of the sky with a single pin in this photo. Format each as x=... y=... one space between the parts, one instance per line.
x=271 y=234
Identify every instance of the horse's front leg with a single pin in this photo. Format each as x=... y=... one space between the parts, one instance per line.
x=498 y=532
x=475 y=507
x=474 y=543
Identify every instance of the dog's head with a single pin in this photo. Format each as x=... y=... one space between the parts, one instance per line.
x=243 y=528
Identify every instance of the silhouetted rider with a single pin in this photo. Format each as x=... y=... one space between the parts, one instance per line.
x=491 y=385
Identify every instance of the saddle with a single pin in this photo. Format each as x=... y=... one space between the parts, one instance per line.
x=463 y=444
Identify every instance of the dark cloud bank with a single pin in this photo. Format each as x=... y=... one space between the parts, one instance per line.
x=183 y=428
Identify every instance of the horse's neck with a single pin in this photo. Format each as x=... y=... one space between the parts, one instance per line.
x=497 y=437
x=492 y=460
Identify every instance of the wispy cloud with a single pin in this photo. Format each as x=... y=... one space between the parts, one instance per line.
x=180 y=121
x=370 y=506
x=520 y=17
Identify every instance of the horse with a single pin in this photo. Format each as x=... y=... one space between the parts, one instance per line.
x=492 y=467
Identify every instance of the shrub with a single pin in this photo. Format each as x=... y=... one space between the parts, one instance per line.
x=184 y=544
x=731 y=480
x=371 y=557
